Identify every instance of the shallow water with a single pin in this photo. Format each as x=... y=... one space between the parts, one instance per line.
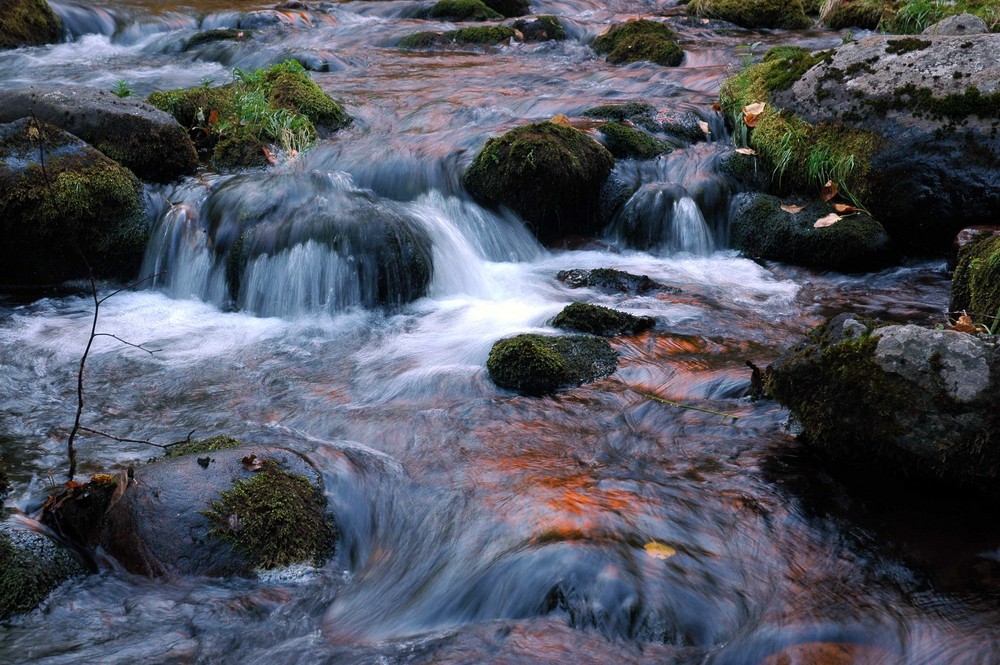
x=476 y=526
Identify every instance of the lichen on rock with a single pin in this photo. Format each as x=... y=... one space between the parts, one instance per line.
x=31 y=567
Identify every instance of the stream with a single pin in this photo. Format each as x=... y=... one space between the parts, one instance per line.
x=476 y=526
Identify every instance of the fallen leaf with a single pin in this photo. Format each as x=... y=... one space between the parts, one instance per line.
x=704 y=127
x=843 y=207
x=659 y=550
x=754 y=109
x=792 y=208
x=213 y=117
x=750 y=120
x=272 y=160
x=829 y=220
x=829 y=190
x=965 y=325
x=239 y=35
x=716 y=107
x=746 y=151
x=561 y=120
x=251 y=463
x=518 y=35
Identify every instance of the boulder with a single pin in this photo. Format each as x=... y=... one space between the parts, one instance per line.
x=788 y=14
x=597 y=320
x=510 y=8
x=864 y=14
x=128 y=130
x=222 y=511
x=488 y=35
x=31 y=567
x=73 y=208
x=762 y=229
x=28 y=23
x=611 y=281
x=540 y=28
x=462 y=10
x=640 y=40
x=626 y=142
x=958 y=25
x=975 y=287
x=551 y=175
x=637 y=113
x=902 y=400
x=540 y=364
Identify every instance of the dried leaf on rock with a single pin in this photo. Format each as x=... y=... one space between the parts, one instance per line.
x=251 y=463
x=965 y=325
x=792 y=208
x=843 y=207
x=746 y=151
x=829 y=190
x=561 y=120
x=829 y=220
x=704 y=127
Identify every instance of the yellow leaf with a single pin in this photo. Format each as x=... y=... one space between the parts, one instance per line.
x=561 y=120
x=659 y=550
x=754 y=109
x=746 y=151
x=843 y=207
x=794 y=209
x=704 y=127
x=829 y=220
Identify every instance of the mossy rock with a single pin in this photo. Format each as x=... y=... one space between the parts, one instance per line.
x=786 y=14
x=31 y=567
x=626 y=142
x=4 y=481
x=611 y=280
x=289 y=87
x=641 y=40
x=551 y=175
x=540 y=28
x=492 y=34
x=81 y=202
x=423 y=40
x=510 y=8
x=864 y=14
x=597 y=320
x=760 y=228
x=462 y=10
x=211 y=444
x=239 y=149
x=218 y=35
x=975 y=287
x=638 y=113
x=28 y=23
x=539 y=364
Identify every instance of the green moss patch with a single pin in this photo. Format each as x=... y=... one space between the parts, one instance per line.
x=624 y=141
x=539 y=364
x=865 y=14
x=788 y=14
x=540 y=28
x=906 y=45
x=597 y=320
x=218 y=442
x=462 y=10
x=975 y=286
x=275 y=519
x=28 y=23
x=640 y=40
x=509 y=8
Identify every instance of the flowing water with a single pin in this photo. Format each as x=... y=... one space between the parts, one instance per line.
x=476 y=526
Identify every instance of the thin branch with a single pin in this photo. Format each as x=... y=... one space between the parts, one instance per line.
x=128 y=343
x=668 y=402
x=123 y=439
x=129 y=287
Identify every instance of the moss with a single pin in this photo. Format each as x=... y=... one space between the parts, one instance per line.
x=865 y=14
x=31 y=566
x=28 y=23
x=538 y=364
x=289 y=87
x=219 y=35
x=788 y=14
x=239 y=148
x=218 y=442
x=630 y=111
x=274 y=519
x=421 y=40
x=954 y=106
x=640 y=40
x=540 y=28
x=462 y=10
x=493 y=34
x=624 y=142
x=597 y=320
x=4 y=481
x=549 y=174
x=976 y=284
x=906 y=45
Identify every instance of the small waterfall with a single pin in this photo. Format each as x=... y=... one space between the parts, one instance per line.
x=663 y=218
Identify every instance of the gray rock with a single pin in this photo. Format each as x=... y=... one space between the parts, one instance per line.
x=959 y=25
x=135 y=134
x=31 y=567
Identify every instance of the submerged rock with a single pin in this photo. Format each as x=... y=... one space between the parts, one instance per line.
x=597 y=320
x=151 y=143
x=73 y=208
x=975 y=287
x=609 y=279
x=539 y=364
x=787 y=14
x=551 y=175
x=902 y=400
x=640 y=40
x=28 y=23
x=220 y=512
x=31 y=567
x=762 y=229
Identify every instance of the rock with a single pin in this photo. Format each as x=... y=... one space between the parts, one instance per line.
x=539 y=364
x=761 y=229
x=217 y=35
x=474 y=35
x=611 y=280
x=975 y=287
x=551 y=175
x=540 y=29
x=663 y=216
x=28 y=23
x=625 y=142
x=638 y=113
x=462 y=10
x=958 y=25
x=603 y=321
x=788 y=14
x=133 y=133
x=908 y=401
x=510 y=8
x=215 y=514
x=964 y=237
x=864 y=14
x=640 y=40
x=31 y=567
x=81 y=202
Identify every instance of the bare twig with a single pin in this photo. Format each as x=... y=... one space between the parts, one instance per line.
x=41 y=152
x=127 y=343
x=124 y=439
x=661 y=400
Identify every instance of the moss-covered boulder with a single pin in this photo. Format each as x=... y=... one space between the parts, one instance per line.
x=637 y=113
x=148 y=141
x=865 y=14
x=540 y=29
x=31 y=567
x=905 y=401
x=611 y=281
x=787 y=14
x=624 y=141
x=641 y=40
x=76 y=207
x=462 y=10
x=220 y=511
x=28 y=23
x=509 y=8
x=539 y=364
x=975 y=287
x=217 y=35
x=551 y=175
x=762 y=229
x=603 y=321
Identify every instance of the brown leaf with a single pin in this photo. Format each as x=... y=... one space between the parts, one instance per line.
x=843 y=207
x=272 y=160
x=829 y=220
x=251 y=463
x=717 y=107
x=792 y=208
x=754 y=109
x=829 y=190
x=746 y=151
x=213 y=117
x=704 y=127
x=750 y=119
x=561 y=120
x=965 y=325
x=518 y=35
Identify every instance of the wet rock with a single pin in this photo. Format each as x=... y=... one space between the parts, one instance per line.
x=597 y=320
x=864 y=14
x=611 y=280
x=31 y=567
x=540 y=29
x=539 y=364
x=908 y=401
x=462 y=10
x=475 y=35
x=638 y=113
x=641 y=40
x=4 y=481
x=220 y=512
x=788 y=14
x=761 y=229
x=510 y=8
x=133 y=133
x=76 y=512
x=28 y=23
x=975 y=287
x=218 y=35
x=625 y=142
x=75 y=201
x=551 y=175
x=959 y=25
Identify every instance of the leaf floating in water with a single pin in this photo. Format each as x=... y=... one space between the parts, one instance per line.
x=792 y=208
x=746 y=151
x=704 y=127
x=829 y=220
x=829 y=190
x=659 y=550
